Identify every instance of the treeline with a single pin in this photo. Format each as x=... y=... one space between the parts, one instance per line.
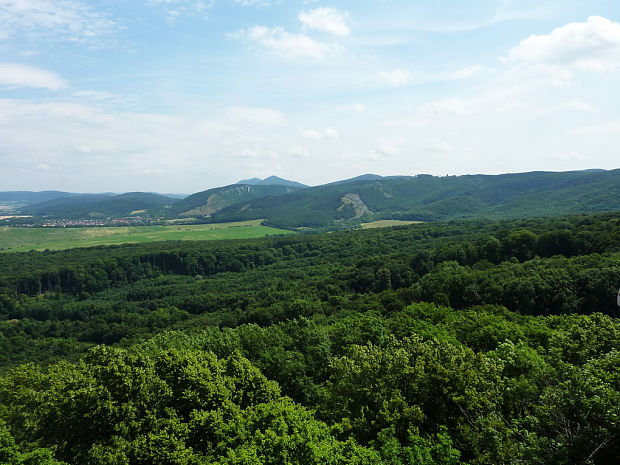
x=104 y=272
x=99 y=268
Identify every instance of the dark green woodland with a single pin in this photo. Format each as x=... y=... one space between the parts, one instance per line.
x=462 y=342
x=343 y=204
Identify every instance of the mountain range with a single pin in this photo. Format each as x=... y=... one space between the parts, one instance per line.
x=99 y=205
x=368 y=197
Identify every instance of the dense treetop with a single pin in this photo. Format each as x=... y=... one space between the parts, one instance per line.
x=461 y=342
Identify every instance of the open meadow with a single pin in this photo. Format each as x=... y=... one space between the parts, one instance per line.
x=387 y=224
x=24 y=239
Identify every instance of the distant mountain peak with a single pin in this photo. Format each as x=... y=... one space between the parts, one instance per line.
x=271 y=181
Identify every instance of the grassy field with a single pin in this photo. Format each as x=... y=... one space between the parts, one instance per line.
x=24 y=239
x=387 y=223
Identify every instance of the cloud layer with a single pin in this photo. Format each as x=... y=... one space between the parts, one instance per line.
x=17 y=75
x=150 y=95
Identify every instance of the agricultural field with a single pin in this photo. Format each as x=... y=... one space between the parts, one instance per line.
x=387 y=223
x=24 y=239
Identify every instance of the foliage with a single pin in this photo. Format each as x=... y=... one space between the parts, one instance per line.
x=427 y=197
x=460 y=343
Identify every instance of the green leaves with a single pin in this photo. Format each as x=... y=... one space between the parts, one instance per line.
x=177 y=408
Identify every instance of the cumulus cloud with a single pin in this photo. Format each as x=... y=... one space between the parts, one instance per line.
x=398 y=77
x=17 y=75
x=593 y=45
x=280 y=41
x=326 y=19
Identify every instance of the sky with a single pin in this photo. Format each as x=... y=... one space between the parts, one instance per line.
x=185 y=95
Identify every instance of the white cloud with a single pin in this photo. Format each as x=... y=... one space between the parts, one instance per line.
x=467 y=72
x=255 y=2
x=611 y=127
x=312 y=134
x=252 y=154
x=582 y=106
x=99 y=147
x=299 y=152
x=382 y=152
x=285 y=43
x=17 y=75
x=65 y=19
x=405 y=123
x=328 y=133
x=150 y=172
x=356 y=107
x=500 y=100
x=591 y=46
x=398 y=77
x=568 y=156
x=439 y=146
x=331 y=133
x=177 y=8
x=450 y=106
x=326 y=19
x=256 y=115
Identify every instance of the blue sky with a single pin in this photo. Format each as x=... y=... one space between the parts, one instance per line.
x=183 y=95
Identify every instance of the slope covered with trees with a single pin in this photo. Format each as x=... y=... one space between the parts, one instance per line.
x=28 y=197
x=451 y=343
x=103 y=205
x=208 y=202
x=271 y=181
x=426 y=197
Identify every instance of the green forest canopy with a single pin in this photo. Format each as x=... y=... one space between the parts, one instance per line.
x=463 y=342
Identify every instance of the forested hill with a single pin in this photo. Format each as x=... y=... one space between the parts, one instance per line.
x=28 y=197
x=271 y=181
x=84 y=206
x=426 y=197
x=208 y=202
x=448 y=343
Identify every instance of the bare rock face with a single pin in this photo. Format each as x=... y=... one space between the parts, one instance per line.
x=357 y=203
